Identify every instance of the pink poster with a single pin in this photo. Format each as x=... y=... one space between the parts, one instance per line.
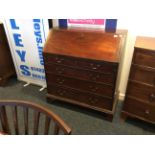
x=87 y=21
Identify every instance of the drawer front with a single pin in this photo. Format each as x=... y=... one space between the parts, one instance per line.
x=140 y=109
x=144 y=57
x=143 y=74
x=100 y=66
x=86 y=98
x=81 y=74
x=142 y=92
x=104 y=90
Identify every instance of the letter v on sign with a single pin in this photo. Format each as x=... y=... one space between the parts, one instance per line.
x=21 y=55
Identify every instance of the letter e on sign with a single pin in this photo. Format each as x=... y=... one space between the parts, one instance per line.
x=18 y=40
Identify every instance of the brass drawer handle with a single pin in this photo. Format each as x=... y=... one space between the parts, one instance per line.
x=98 y=65
x=60 y=81
x=152 y=97
x=147 y=112
x=94 y=77
x=93 y=88
x=95 y=66
x=92 y=100
x=61 y=92
x=59 y=60
x=60 y=70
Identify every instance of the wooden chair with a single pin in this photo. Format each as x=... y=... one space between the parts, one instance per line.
x=22 y=117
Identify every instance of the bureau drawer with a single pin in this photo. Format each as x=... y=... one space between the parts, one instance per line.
x=81 y=74
x=141 y=91
x=100 y=66
x=144 y=57
x=101 y=89
x=140 y=109
x=86 y=98
x=142 y=74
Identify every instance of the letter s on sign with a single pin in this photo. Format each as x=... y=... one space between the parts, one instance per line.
x=25 y=70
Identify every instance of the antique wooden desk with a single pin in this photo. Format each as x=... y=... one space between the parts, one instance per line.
x=81 y=68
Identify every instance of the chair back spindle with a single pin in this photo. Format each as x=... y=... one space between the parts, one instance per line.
x=56 y=129
x=15 y=119
x=36 y=122
x=47 y=124
x=25 y=120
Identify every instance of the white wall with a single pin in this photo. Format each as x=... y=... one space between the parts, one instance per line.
x=135 y=27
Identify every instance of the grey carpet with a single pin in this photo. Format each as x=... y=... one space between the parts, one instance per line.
x=82 y=121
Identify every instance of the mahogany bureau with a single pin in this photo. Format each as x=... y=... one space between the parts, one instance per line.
x=81 y=68
x=6 y=63
x=140 y=97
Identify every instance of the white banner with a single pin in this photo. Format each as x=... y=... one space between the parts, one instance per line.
x=26 y=39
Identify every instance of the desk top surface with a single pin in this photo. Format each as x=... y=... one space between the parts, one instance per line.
x=145 y=42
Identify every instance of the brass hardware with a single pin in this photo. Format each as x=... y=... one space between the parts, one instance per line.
x=95 y=66
x=60 y=81
x=151 y=97
x=147 y=112
x=61 y=92
x=93 y=88
x=59 y=61
x=92 y=100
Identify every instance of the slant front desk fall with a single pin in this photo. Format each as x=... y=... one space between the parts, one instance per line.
x=81 y=68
